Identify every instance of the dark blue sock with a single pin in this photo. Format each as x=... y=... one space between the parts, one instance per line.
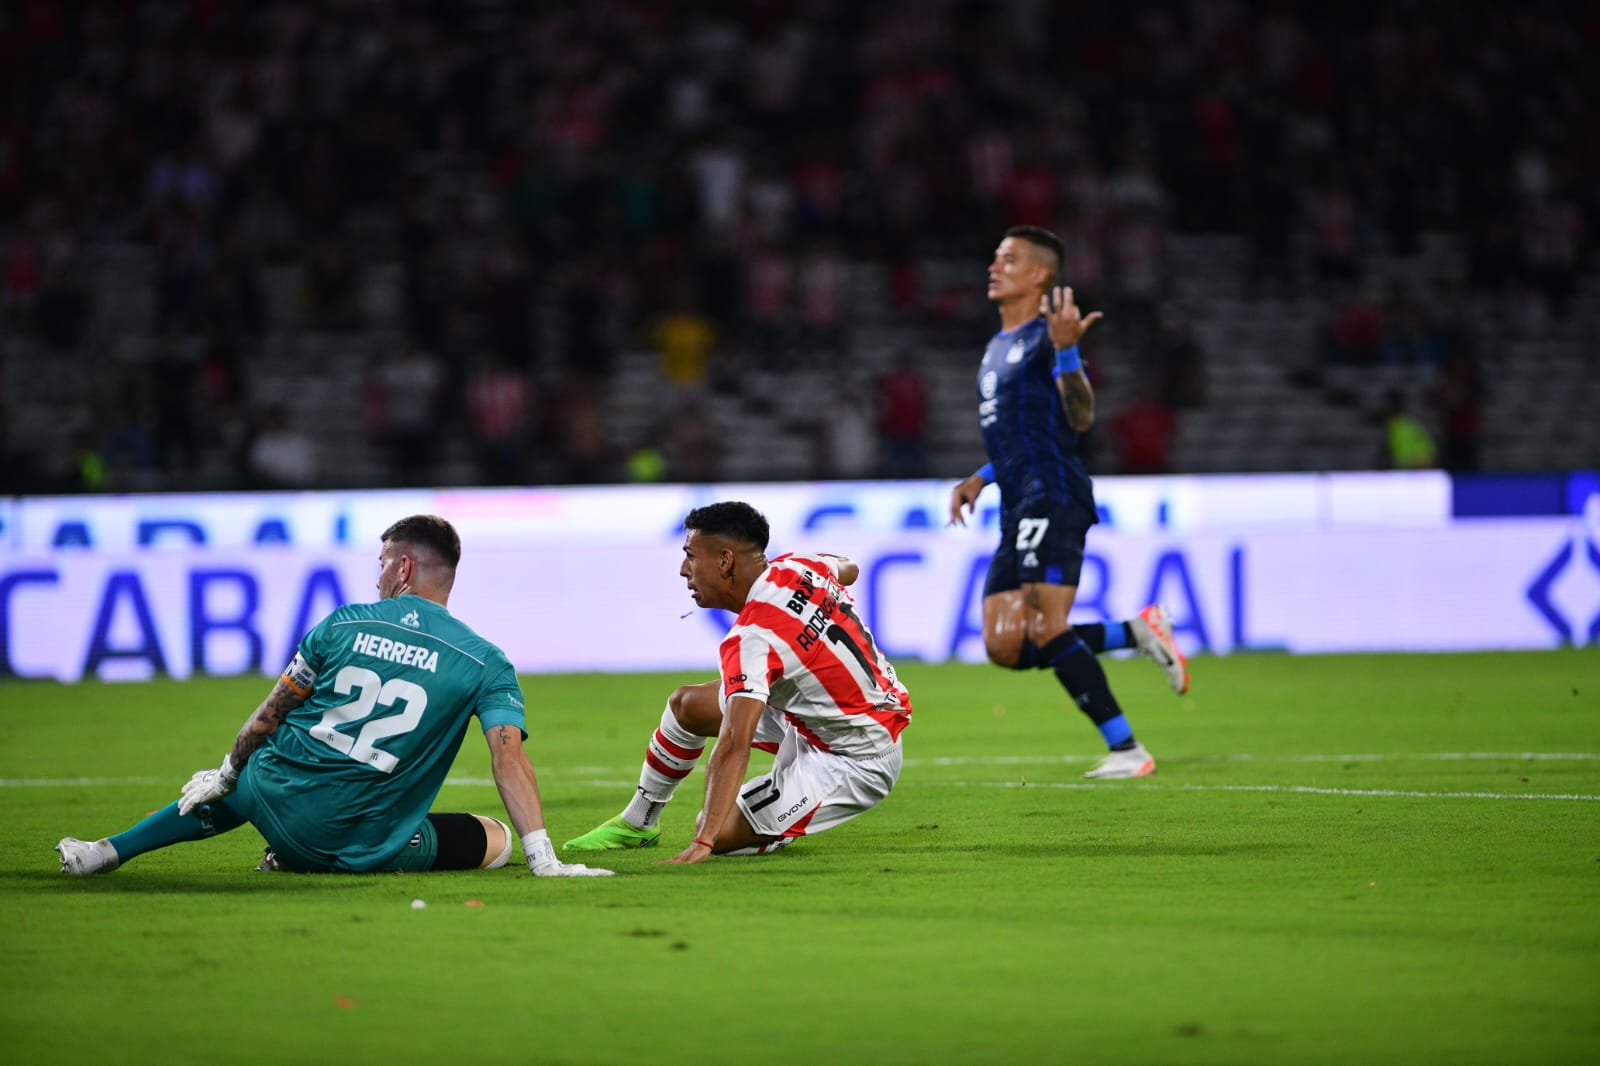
x=1081 y=675
x=1104 y=636
x=166 y=826
x=1027 y=655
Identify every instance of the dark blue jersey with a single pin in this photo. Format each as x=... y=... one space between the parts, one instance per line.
x=1025 y=430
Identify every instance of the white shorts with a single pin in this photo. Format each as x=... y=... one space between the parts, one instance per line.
x=809 y=790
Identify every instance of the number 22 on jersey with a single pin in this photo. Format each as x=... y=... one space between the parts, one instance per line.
x=371 y=693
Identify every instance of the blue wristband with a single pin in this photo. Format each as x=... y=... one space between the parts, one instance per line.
x=1067 y=360
x=986 y=471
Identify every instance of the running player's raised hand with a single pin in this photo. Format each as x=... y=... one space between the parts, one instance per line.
x=1067 y=326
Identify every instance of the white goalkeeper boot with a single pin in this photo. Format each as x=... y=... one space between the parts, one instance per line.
x=80 y=858
x=1135 y=762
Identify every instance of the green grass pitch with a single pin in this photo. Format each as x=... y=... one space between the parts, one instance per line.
x=1376 y=859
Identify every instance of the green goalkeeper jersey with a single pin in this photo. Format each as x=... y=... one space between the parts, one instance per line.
x=350 y=774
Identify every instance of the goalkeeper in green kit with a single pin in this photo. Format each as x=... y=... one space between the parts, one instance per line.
x=338 y=766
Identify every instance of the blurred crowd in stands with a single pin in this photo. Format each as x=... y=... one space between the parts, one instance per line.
x=700 y=179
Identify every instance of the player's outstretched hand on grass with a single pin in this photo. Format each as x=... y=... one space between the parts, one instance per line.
x=208 y=785
x=568 y=869
x=542 y=861
x=696 y=852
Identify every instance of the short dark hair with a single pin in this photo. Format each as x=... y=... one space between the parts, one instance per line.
x=427 y=531
x=731 y=519
x=1043 y=238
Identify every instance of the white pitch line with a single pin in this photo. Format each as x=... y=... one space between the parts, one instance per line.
x=1439 y=756
x=74 y=782
x=1406 y=756
x=1300 y=789
x=593 y=782
x=594 y=776
x=1088 y=786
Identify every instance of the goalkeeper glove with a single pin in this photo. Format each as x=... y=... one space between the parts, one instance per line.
x=542 y=861
x=208 y=785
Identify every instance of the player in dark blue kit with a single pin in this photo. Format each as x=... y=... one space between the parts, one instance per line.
x=1034 y=399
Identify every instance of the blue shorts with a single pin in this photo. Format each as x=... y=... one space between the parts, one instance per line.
x=1041 y=542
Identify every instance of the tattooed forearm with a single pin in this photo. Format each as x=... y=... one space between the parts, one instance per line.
x=265 y=721
x=1078 y=398
x=505 y=735
x=279 y=702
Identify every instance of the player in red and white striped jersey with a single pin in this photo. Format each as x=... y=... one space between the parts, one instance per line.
x=801 y=677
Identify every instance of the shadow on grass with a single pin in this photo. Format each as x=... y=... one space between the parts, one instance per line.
x=1080 y=849
x=133 y=882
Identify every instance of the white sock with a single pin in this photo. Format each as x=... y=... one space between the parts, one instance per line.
x=670 y=757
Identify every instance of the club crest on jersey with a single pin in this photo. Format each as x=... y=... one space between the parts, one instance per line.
x=1015 y=352
x=988 y=406
x=411 y=619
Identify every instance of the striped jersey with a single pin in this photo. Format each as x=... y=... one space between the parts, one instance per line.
x=799 y=645
x=1025 y=429
x=350 y=774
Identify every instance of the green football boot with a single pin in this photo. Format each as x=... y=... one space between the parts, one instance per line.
x=615 y=835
